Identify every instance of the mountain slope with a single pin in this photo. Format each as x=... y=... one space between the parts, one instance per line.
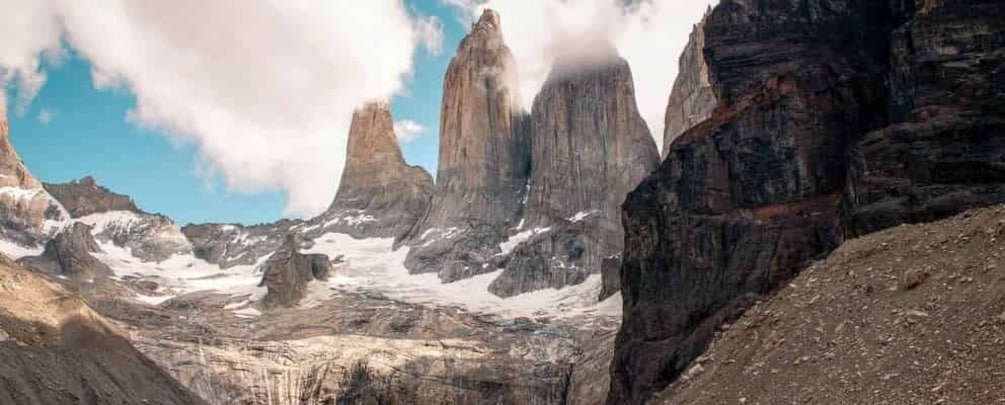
x=914 y=314
x=55 y=350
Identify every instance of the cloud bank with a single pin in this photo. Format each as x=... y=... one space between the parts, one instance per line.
x=407 y=130
x=649 y=34
x=265 y=89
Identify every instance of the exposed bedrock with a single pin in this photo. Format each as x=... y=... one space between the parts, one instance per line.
x=69 y=254
x=85 y=197
x=692 y=98
x=836 y=118
x=590 y=147
x=379 y=195
x=484 y=159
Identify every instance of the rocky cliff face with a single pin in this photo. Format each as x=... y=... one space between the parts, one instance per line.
x=288 y=271
x=590 y=148
x=69 y=254
x=85 y=197
x=837 y=118
x=379 y=195
x=24 y=204
x=483 y=162
x=692 y=98
x=230 y=245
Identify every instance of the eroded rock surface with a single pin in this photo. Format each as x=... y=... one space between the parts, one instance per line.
x=590 y=148
x=380 y=195
x=484 y=159
x=69 y=254
x=232 y=245
x=85 y=197
x=837 y=118
x=24 y=205
x=288 y=271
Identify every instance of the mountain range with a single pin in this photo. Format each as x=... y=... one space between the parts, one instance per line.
x=557 y=257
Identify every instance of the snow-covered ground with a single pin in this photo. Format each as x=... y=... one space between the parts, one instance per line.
x=370 y=266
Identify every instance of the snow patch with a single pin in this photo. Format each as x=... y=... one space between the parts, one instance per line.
x=16 y=251
x=582 y=215
x=515 y=240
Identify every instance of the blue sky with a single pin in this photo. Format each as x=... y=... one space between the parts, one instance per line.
x=87 y=133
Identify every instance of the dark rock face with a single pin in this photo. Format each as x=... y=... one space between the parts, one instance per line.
x=379 y=195
x=692 y=98
x=232 y=245
x=85 y=197
x=590 y=148
x=69 y=254
x=838 y=118
x=484 y=157
x=288 y=271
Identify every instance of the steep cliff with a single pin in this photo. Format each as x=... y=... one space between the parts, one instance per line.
x=24 y=205
x=379 y=195
x=837 y=118
x=483 y=163
x=590 y=147
x=692 y=98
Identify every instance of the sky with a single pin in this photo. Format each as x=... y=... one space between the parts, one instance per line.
x=239 y=113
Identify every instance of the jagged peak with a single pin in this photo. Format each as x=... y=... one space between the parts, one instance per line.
x=489 y=21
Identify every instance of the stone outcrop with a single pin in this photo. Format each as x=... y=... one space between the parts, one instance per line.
x=149 y=237
x=288 y=271
x=230 y=245
x=117 y=220
x=85 y=197
x=484 y=160
x=836 y=118
x=55 y=350
x=24 y=205
x=692 y=98
x=70 y=254
x=590 y=148
x=380 y=195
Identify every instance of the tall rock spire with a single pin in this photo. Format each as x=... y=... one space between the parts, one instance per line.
x=379 y=195
x=484 y=157
x=590 y=148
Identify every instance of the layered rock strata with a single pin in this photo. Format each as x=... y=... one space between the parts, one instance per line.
x=837 y=118
x=85 y=197
x=69 y=254
x=287 y=273
x=24 y=205
x=692 y=98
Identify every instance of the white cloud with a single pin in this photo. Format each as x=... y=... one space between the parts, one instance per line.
x=265 y=89
x=407 y=130
x=46 y=115
x=429 y=32
x=650 y=34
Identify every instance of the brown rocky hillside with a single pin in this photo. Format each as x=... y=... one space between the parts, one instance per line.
x=911 y=315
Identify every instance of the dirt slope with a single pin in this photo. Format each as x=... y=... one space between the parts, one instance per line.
x=55 y=350
x=910 y=315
